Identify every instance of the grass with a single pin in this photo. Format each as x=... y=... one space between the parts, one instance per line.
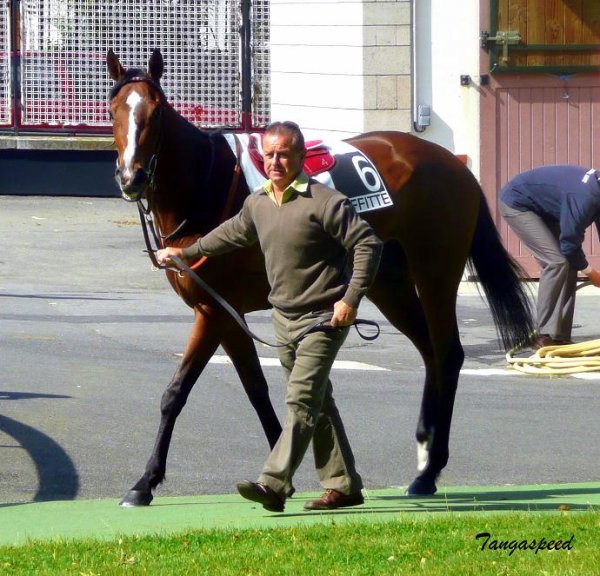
x=431 y=544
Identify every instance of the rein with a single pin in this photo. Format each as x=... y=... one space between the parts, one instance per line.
x=147 y=222
x=320 y=323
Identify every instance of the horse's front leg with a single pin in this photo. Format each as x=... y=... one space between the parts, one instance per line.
x=242 y=352
x=201 y=345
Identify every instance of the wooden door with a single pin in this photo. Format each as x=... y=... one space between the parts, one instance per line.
x=540 y=98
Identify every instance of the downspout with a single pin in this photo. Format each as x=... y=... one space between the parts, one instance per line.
x=417 y=111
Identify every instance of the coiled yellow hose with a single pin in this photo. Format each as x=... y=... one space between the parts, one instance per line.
x=560 y=360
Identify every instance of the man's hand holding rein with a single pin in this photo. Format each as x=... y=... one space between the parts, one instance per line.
x=164 y=256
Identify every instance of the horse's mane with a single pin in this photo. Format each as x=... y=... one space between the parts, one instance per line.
x=134 y=75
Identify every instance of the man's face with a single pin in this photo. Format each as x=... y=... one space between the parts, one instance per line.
x=282 y=161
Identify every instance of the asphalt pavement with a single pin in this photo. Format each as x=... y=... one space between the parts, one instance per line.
x=90 y=336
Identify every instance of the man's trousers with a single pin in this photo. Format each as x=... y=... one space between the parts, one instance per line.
x=311 y=411
x=558 y=280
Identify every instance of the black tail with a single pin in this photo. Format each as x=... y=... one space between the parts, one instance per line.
x=501 y=279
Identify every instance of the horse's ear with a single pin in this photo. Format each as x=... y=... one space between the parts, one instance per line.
x=156 y=65
x=115 y=70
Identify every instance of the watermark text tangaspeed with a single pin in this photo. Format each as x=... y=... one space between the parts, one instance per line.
x=535 y=545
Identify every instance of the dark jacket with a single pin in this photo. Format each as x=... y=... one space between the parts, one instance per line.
x=568 y=195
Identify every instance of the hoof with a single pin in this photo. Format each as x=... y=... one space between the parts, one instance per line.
x=135 y=498
x=421 y=487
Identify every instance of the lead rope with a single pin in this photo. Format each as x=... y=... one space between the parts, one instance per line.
x=320 y=322
x=146 y=221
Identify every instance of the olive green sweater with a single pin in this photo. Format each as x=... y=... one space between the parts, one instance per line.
x=306 y=243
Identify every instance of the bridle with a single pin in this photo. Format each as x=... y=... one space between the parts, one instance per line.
x=148 y=171
x=149 y=229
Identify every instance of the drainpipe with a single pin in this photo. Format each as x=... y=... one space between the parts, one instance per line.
x=421 y=113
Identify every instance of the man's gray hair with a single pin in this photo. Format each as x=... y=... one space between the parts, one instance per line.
x=288 y=128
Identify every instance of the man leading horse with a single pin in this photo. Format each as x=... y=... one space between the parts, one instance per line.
x=307 y=232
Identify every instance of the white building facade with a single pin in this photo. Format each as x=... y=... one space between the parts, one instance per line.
x=342 y=67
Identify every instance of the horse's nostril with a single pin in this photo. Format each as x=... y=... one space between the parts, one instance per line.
x=139 y=178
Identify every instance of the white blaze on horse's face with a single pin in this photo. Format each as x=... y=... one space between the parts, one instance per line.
x=135 y=128
x=133 y=101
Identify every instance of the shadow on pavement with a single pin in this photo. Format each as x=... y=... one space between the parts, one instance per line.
x=57 y=476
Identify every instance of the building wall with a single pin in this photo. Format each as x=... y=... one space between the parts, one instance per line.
x=447 y=46
x=341 y=67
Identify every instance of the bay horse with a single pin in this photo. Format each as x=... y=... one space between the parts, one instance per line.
x=439 y=222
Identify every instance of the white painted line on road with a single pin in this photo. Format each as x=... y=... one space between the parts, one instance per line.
x=337 y=365
x=587 y=375
x=489 y=372
x=352 y=365
x=509 y=372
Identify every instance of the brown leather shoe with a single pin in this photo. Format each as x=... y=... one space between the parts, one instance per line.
x=543 y=340
x=333 y=499
x=262 y=494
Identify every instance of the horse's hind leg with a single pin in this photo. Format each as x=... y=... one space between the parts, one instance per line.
x=242 y=352
x=433 y=429
x=428 y=319
x=202 y=344
x=393 y=292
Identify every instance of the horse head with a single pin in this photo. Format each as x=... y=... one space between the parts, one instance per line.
x=136 y=104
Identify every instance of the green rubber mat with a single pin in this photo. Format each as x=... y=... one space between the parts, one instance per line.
x=105 y=519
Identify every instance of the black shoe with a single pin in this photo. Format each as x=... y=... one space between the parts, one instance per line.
x=541 y=341
x=262 y=494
